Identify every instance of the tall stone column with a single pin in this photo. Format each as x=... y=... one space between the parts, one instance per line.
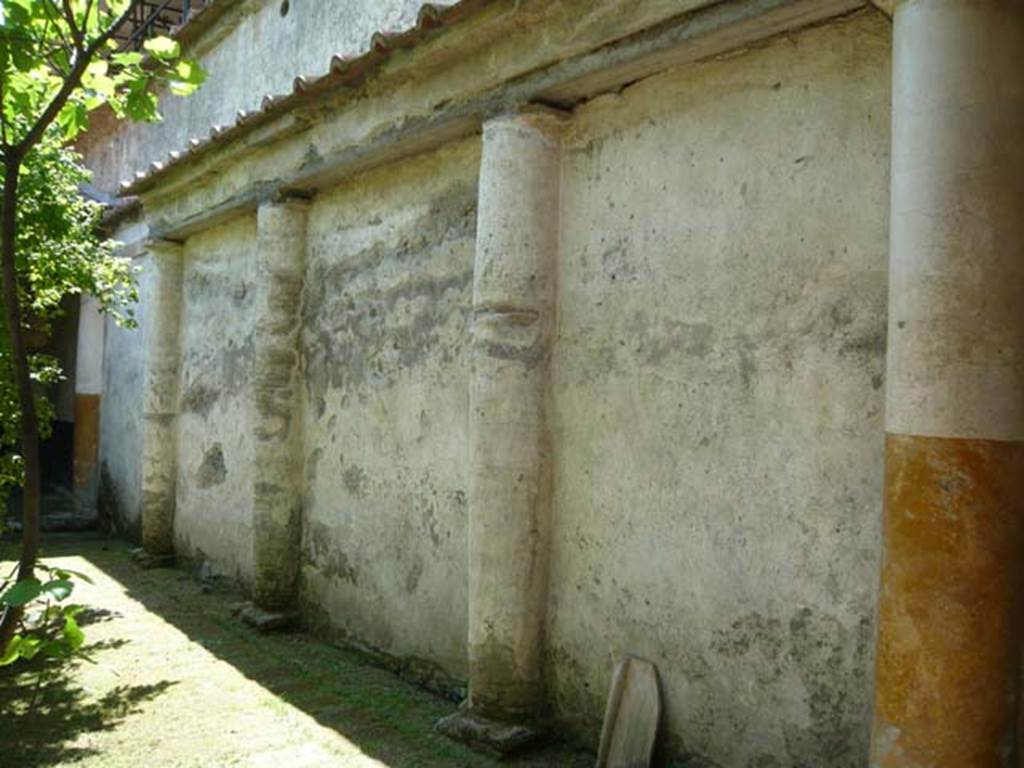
x=277 y=422
x=88 y=395
x=510 y=472
x=950 y=611
x=160 y=398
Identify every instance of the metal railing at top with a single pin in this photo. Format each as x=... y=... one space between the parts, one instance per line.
x=154 y=17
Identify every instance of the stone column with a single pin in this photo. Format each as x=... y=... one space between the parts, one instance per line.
x=510 y=472
x=277 y=422
x=88 y=394
x=950 y=608
x=161 y=323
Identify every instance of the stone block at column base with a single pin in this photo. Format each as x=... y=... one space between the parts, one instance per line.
x=485 y=734
x=148 y=560
x=264 y=621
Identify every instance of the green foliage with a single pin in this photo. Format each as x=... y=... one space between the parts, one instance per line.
x=59 y=61
x=49 y=628
x=45 y=44
x=59 y=253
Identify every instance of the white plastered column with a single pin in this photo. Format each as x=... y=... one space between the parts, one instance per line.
x=510 y=462
x=951 y=614
x=277 y=421
x=160 y=396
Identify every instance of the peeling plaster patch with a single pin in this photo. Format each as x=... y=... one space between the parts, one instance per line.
x=355 y=480
x=430 y=523
x=313 y=463
x=327 y=557
x=212 y=471
x=413 y=575
x=659 y=339
x=199 y=398
x=752 y=632
x=825 y=654
x=364 y=329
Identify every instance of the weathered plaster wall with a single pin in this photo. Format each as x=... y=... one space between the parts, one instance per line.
x=388 y=298
x=213 y=516
x=716 y=384
x=121 y=407
x=299 y=43
x=718 y=396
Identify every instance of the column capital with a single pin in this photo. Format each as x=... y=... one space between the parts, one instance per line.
x=163 y=246
x=297 y=200
x=547 y=121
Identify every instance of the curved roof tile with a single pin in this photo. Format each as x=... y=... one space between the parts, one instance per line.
x=342 y=70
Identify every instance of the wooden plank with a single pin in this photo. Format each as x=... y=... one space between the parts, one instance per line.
x=632 y=717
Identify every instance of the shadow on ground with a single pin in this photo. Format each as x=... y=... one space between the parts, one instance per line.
x=384 y=720
x=46 y=712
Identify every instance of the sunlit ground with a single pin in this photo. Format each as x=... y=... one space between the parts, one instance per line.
x=178 y=681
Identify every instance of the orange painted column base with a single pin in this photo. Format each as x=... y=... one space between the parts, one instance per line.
x=86 y=447
x=950 y=608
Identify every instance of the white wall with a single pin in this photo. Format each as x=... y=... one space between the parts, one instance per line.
x=718 y=396
x=213 y=515
x=386 y=335
x=121 y=408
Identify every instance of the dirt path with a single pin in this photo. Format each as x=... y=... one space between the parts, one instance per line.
x=179 y=682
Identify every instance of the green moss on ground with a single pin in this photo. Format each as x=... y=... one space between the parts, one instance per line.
x=180 y=682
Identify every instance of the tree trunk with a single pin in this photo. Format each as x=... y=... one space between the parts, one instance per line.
x=23 y=380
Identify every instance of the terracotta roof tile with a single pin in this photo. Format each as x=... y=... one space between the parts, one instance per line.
x=342 y=70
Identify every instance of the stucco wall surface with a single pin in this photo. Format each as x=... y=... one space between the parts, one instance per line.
x=213 y=515
x=121 y=410
x=718 y=395
x=121 y=428
x=387 y=306
x=285 y=46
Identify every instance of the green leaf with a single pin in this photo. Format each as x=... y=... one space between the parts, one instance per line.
x=18 y=12
x=179 y=88
x=163 y=47
x=13 y=651
x=21 y=593
x=29 y=647
x=186 y=77
x=67 y=573
x=21 y=55
x=141 y=105
x=59 y=589
x=127 y=59
x=73 y=119
x=73 y=634
x=188 y=71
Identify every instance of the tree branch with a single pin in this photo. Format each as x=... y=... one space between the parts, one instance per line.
x=3 y=112
x=69 y=17
x=74 y=77
x=53 y=13
x=88 y=10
